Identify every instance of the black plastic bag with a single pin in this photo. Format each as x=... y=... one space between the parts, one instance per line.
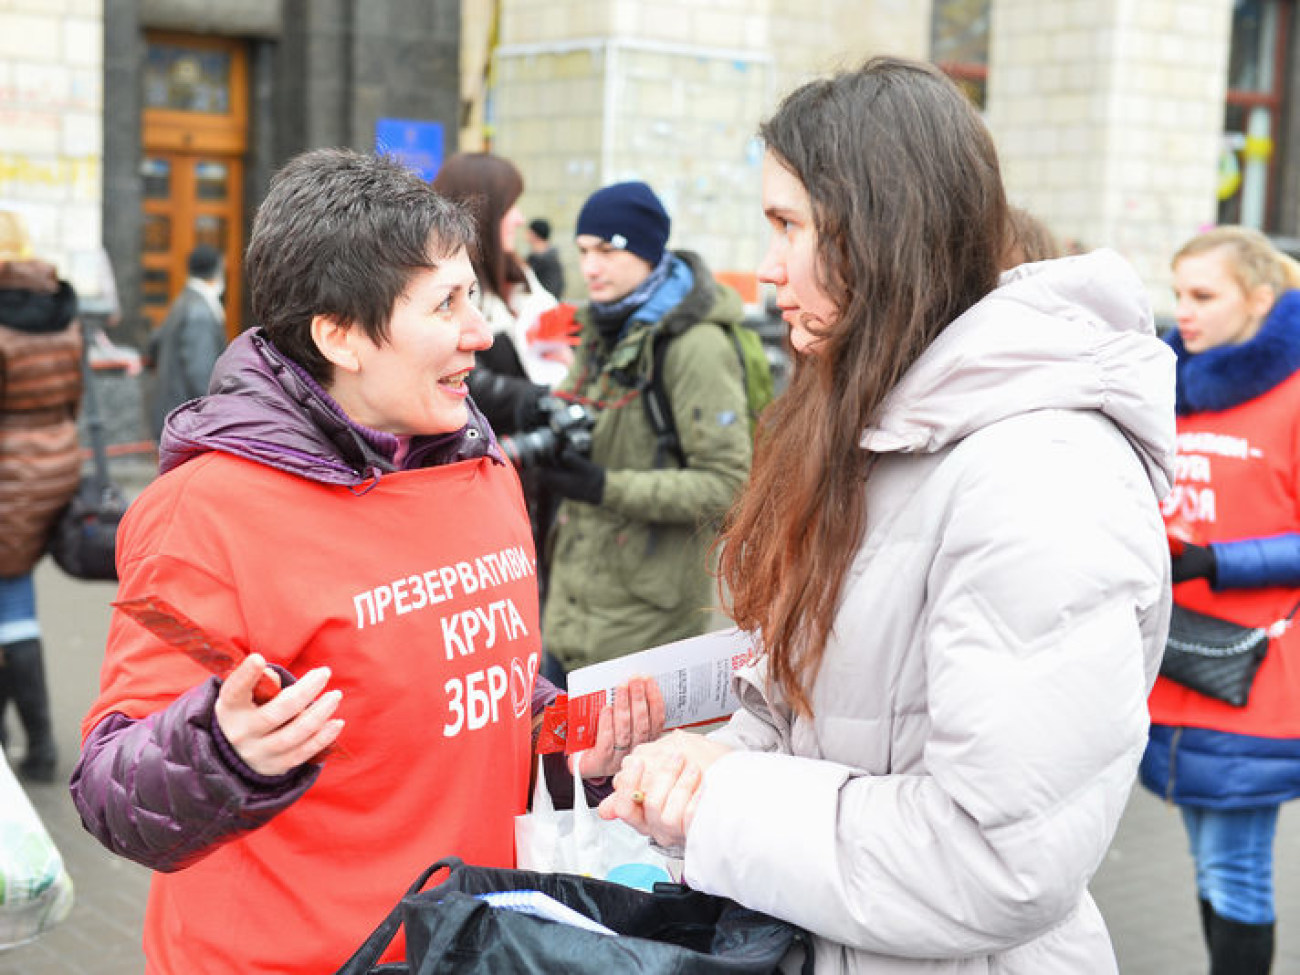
x=84 y=539
x=449 y=931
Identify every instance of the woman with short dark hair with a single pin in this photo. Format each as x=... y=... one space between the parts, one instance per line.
x=336 y=511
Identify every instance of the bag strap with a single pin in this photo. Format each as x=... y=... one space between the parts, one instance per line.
x=373 y=948
x=658 y=410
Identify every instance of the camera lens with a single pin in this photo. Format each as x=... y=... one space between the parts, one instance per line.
x=531 y=448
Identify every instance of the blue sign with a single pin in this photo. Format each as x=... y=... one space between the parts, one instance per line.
x=416 y=143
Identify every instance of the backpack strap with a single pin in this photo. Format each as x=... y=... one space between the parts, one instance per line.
x=658 y=411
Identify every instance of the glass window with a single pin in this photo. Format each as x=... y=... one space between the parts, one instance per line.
x=959 y=43
x=187 y=79
x=157 y=233
x=1254 y=43
x=210 y=230
x=157 y=286
x=1248 y=163
x=211 y=180
x=157 y=176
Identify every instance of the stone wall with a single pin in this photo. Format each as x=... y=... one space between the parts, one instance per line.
x=51 y=133
x=585 y=94
x=1108 y=118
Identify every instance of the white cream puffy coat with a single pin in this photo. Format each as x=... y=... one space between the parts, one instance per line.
x=981 y=706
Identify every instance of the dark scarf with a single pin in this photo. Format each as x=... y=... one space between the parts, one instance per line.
x=1229 y=375
x=611 y=317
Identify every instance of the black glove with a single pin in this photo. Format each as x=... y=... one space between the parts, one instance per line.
x=528 y=409
x=574 y=476
x=1196 y=562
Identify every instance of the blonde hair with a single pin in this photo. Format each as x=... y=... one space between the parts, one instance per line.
x=15 y=242
x=1252 y=258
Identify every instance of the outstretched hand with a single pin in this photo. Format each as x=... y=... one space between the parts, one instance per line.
x=635 y=717
x=288 y=730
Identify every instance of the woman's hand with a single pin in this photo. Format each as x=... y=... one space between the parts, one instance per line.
x=636 y=716
x=289 y=729
x=658 y=788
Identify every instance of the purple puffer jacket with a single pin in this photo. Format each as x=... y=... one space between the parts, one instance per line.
x=142 y=785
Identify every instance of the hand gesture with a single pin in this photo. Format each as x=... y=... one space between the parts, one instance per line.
x=658 y=788
x=636 y=716
x=291 y=728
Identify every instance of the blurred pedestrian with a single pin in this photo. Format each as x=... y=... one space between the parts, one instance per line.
x=40 y=467
x=543 y=257
x=629 y=552
x=509 y=376
x=1029 y=239
x=186 y=345
x=335 y=508
x=951 y=555
x=1236 y=507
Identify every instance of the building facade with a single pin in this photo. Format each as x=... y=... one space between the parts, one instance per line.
x=145 y=126
x=1123 y=124
x=149 y=126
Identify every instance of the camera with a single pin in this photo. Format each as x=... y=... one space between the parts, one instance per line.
x=565 y=424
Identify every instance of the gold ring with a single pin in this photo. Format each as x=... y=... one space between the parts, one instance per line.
x=638 y=797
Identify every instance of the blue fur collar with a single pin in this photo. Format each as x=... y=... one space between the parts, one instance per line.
x=1229 y=375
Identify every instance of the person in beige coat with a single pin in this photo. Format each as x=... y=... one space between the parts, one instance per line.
x=951 y=553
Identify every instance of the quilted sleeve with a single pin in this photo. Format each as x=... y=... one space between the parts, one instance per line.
x=1251 y=563
x=167 y=789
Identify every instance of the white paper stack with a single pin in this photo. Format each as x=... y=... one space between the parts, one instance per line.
x=542 y=905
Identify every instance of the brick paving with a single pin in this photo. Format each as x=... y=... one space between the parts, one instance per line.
x=1144 y=887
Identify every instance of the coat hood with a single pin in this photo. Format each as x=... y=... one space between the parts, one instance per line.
x=263 y=407
x=1069 y=334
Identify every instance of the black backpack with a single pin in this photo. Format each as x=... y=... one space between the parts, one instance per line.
x=760 y=388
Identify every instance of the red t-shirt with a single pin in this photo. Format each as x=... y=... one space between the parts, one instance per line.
x=1237 y=475
x=420 y=594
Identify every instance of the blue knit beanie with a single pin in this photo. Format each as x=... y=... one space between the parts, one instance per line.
x=630 y=217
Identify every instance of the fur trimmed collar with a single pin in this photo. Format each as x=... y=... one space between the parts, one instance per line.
x=1229 y=375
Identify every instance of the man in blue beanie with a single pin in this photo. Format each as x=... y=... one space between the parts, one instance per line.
x=630 y=545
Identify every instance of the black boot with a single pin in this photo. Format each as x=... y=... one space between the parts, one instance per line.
x=1237 y=948
x=26 y=673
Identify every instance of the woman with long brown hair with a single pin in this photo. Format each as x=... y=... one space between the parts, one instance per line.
x=511 y=375
x=950 y=554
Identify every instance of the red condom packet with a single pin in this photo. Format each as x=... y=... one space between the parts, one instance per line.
x=569 y=724
x=214 y=653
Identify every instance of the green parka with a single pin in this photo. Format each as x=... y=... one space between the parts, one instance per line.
x=634 y=571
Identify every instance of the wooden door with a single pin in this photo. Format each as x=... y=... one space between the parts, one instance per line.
x=195 y=137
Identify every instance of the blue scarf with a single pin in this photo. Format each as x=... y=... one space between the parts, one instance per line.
x=611 y=317
x=1229 y=375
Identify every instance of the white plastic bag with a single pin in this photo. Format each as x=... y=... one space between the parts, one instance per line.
x=578 y=841
x=35 y=889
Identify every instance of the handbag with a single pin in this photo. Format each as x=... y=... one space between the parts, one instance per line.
x=35 y=889
x=577 y=840
x=672 y=930
x=1214 y=656
x=83 y=541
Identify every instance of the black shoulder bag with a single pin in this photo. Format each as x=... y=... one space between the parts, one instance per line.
x=1215 y=657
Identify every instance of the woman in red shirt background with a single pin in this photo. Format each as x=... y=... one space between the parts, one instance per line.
x=1236 y=499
